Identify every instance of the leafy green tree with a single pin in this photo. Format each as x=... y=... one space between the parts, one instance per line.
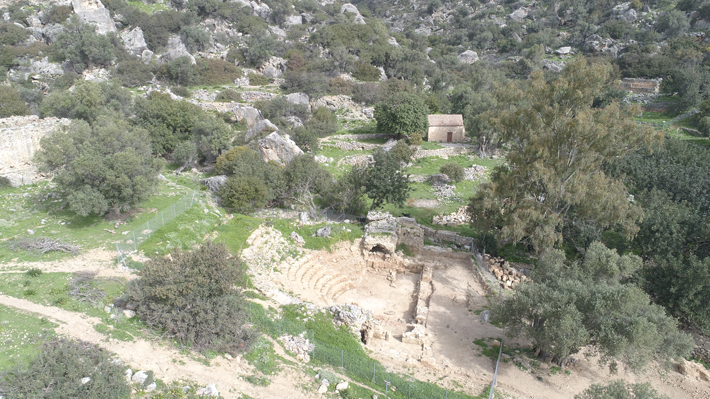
x=305 y=181
x=169 y=122
x=80 y=43
x=194 y=298
x=11 y=103
x=587 y=303
x=681 y=284
x=347 y=195
x=402 y=114
x=322 y=123
x=88 y=101
x=244 y=193
x=674 y=23
x=59 y=367
x=384 y=180
x=107 y=167
x=558 y=144
x=245 y=162
x=305 y=139
x=259 y=49
x=212 y=135
x=619 y=389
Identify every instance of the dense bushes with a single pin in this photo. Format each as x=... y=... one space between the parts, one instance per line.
x=11 y=34
x=454 y=171
x=228 y=95
x=209 y=72
x=133 y=73
x=80 y=44
x=193 y=297
x=11 y=103
x=59 y=367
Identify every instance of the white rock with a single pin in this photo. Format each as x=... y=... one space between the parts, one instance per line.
x=107 y=309
x=30 y=232
x=151 y=387
x=128 y=373
x=85 y=380
x=342 y=385
x=323 y=388
x=564 y=50
x=139 y=377
x=129 y=313
x=468 y=57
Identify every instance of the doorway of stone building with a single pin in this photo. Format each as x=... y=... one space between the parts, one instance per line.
x=449 y=137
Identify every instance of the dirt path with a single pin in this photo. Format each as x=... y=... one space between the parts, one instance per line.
x=99 y=260
x=167 y=363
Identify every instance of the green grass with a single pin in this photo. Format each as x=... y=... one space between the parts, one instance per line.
x=431 y=165
x=20 y=335
x=113 y=333
x=234 y=234
x=148 y=8
x=405 y=250
x=262 y=357
x=339 y=233
x=20 y=212
x=427 y=145
x=188 y=229
x=682 y=135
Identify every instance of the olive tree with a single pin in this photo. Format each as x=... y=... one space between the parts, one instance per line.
x=104 y=167
x=570 y=305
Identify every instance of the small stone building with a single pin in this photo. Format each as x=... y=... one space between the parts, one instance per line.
x=446 y=128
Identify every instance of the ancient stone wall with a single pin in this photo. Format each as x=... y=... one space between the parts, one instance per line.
x=19 y=140
x=635 y=85
x=448 y=151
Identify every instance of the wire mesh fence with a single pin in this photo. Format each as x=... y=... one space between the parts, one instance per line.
x=140 y=234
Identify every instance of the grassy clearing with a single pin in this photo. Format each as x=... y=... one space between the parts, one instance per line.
x=20 y=335
x=682 y=135
x=187 y=230
x=235 y=233
x=21 y=210
x=339 y=233
x=430 y=145
x=431 y=165
x=148 y=8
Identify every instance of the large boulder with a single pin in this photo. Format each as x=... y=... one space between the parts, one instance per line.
x=214 y=183
x=176 y=49
x=276 y=147
x=250 y=115
x=260 y=9
x=468 y=57
x=299 y=99
x=94 y=12
x=518 y=15
x=134 y=41
x=259 y=127
x=347 y=7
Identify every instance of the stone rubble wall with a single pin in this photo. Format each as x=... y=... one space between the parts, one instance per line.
x=636 y=85
x=19 y=141
x=448 y=151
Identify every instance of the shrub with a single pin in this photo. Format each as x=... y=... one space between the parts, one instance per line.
x=11 y=103
x=216 y=72
x=5 y=182
x=133 y=73
x=228 y=95
x=244 y=193
x=11 y=34
x=415 y=138
x=402 y=152
x=323 y=122
x=199 y=304
x=256 y=79
x=184 y=153
x=339 y=85
x=367 y=93
x=313 y=84
x=455 y=172
x=366 y=72
x=305 y=139
x=57 y=14
x=181 y=91
x=259 y=49
x=34 y=272
x=58 y=369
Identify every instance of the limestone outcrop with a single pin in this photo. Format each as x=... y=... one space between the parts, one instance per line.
x=276 y=147
x=19 y=141
x=94 y=12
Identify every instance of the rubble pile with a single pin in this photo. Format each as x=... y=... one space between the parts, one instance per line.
x=299 y=346
x=460 y=217
x=508 y=276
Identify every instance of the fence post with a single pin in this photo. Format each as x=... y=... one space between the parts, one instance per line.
x=135 y=244
x=495 y=374
x=409 y=395
x=387 y=385
x=342 y=360
x=373 y=371
x=148 y=223
x=162 y=219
